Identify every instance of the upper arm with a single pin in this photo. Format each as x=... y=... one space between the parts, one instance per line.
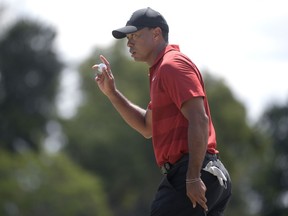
x=194 y=110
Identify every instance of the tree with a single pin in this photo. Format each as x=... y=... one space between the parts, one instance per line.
x=271 y=183
x=29 y=70
x=40 y=184
x=31 y=181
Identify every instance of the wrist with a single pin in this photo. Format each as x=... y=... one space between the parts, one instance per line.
x=113 y=94
x=193 y=180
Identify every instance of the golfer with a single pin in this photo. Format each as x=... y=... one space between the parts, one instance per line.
x=177 y=118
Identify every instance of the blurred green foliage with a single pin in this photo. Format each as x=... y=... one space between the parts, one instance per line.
x=38 y=184
x=29 y=70
x=32 y=182
x=105 y=167
x=271 y=181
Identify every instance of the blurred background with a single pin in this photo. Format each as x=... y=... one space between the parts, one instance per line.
x=65 y=151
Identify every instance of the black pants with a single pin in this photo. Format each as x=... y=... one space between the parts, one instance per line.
x=171 y=198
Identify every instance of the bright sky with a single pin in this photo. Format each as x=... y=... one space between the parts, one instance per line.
x=244 y=42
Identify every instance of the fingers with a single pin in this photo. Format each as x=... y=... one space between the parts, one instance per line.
x=105 y=72
x=108 y=71
x=196 y=192
x=201 y=201
x=105 y=61
x=194 y=203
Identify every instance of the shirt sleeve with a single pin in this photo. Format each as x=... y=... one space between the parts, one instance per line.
x=149 y=106
x=181 y=80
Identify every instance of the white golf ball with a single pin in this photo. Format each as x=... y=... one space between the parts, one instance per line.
x=101 y=67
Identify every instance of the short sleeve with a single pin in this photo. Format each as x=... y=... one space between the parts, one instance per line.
x=181 y=80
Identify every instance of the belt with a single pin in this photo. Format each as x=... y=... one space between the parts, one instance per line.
x=166 y=167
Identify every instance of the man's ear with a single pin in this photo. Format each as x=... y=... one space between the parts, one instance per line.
x=157 y=32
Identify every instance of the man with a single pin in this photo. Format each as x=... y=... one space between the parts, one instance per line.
x=178 y=119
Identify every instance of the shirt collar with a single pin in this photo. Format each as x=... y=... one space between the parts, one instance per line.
x=168 y=48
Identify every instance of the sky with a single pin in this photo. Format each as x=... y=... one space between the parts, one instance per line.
x=243 y=42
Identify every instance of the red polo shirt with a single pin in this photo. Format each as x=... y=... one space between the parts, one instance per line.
x=174 y=79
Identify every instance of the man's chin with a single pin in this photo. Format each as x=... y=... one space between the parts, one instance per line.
x=137 y=59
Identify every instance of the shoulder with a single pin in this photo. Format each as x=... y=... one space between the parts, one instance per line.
x=172 y=59
x=175 y=60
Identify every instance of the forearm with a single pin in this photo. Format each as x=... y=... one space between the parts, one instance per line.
x=131 y=113
x=197 y=144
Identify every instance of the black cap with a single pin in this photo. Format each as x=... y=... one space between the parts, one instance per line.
x=141 y=18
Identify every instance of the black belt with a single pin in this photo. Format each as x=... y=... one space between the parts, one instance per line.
x=168 y=166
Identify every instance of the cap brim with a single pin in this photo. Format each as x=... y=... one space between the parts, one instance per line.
x=122 y=32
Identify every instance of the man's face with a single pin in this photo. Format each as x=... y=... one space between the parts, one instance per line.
x=141 y=44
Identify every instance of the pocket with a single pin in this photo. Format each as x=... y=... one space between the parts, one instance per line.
x=168 y=184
